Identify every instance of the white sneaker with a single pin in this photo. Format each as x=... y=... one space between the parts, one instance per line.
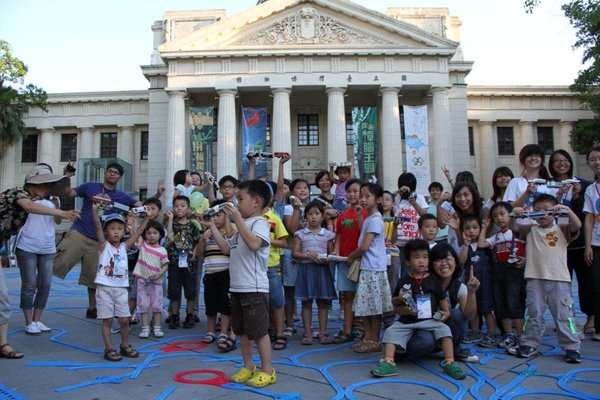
x=32 y=329
x=145 y=333
x=158 y=332
x=42 y=327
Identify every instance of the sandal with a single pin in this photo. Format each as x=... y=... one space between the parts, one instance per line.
x=368 y=346
x=260 y=379
x=324 y=338
x=112 y=355
x=13 y=354
x=342 y=337
x=589 y=326
x=280 y=343
x=228 y=345
x=209 y=338
x=288 y=332
x=222 y=338
x=129 y=351
x=307 y=339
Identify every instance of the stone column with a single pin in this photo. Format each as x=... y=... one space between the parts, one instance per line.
x=227 y=159
x=47 y=151
x=175 y=150
x=86 y=145
x=390 y=144
x=563 y=142
x=125 y=147
x=528 y=135
x=487 y=156
x=9 y=162
x=281 y=130
x=336 y=126
x=442 y=134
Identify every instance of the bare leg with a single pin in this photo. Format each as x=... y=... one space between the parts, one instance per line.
x=348 y=314
x=28 y=314
x=519 y=326
x=145 y=317
x=246 y=347
x=91 y=298
x=37 y=314
x=290 y=302
x=106 y=325
x=264 y=351
x=278 y=315
x=448 y=349
x=307 y=317
x=323 y=310
x=124 y=321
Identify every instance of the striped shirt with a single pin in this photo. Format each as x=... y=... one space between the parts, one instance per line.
x=150 y=261
x=214 y=259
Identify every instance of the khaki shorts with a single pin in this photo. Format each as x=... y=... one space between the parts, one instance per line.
x=112 y=302
x=73 y=248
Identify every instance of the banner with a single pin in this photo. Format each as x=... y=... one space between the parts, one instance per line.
x=417 y=145
x=364 y=126
x=202 y=134
x=254 y=138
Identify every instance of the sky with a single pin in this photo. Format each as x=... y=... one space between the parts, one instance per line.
x=85 y=45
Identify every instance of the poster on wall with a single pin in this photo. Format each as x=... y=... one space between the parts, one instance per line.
x=364 y=126
x=254 y=138
x=417 y=145
x=202 y=133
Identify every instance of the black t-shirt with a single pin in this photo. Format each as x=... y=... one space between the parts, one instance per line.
x=430 y=285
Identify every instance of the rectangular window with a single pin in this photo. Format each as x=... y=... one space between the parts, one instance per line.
x=546 y=138
x=308 y=129
x=349 y=130
x=29 y=149
x=144 y=146
x=108 y=144
x=68 y=147
x=506 y=142
x=471 y=142
x=143 y=194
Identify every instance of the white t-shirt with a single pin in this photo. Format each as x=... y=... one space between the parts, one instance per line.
x=247 y=268
x=38 y=233
x=112 y=267
x=591 y=205
x=518 y=186
x=408 y=227
x=375 y=258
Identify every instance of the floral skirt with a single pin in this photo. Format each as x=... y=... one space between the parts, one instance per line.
x=372 y=294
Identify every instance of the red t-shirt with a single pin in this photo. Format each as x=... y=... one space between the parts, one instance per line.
x=348 y=231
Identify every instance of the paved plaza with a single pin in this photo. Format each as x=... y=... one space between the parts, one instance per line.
x=67 y=363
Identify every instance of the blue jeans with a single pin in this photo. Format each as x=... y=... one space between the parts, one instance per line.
x=423 y=342
x=36 y=278
x=276 y=299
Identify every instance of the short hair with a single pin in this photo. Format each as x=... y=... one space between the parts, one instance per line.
x=435 y=185
x=342 y=168
x=156 y=225
x=315 y=204
x=228 y=178
x=287 y=182
x=441 y=250
x=469 y=218
x=257 y=188
x=181 y=197
x=501 y=204
x=69 y=168
x=414 y=246
x=153 y=200
x=407 y=179
x=566 y=155
x=545 y=197
x=351 y=182
x=590 y=151
x=197 y=173
x=179 y=177
x=426 y=217
x=530 y=149
x=320 y=176
x=116 y=166
x=297 y=181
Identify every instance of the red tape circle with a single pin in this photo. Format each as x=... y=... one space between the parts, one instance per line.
x=219 y=380
x=180 y=346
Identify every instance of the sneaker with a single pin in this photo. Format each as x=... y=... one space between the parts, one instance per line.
x=472 y=337
x=385 y=368
x=145 y=332
x=158 y=332
x=526 y=351
x=32 y=329
x=453 y=370
x=573 y=357
x=487 y=341
x=465 y=355
x=513 y=349
x=508 y=340
x=42 y=327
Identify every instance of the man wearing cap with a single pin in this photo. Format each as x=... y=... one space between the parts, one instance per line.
x=81 y=243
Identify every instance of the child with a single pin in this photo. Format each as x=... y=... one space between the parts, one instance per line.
x=373 y=294
x=347 y=230
x=508 y=282
x=344 y=172
x=248 y=250
x=216 y=281
x=391 y=235
x=425 y=292
x=548 y=278
x=184 y=184
x=435 y=190
x=112 y=280
x=591 y=209
x=314 y=280
x=149 y=270
x=227 y=188
x=184 y=237
x=477 y=262
x=428 y=228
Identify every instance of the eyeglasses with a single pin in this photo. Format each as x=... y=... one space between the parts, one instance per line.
x=227 y=187
x=593 y=159
x=113 y=172
x=446 y=260
x=561 y=162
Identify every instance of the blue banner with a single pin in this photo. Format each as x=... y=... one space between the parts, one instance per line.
x=254 y=138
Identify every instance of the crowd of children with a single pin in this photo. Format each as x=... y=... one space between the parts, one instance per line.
x=263 y=246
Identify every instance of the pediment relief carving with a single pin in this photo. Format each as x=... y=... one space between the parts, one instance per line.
x=309 y=26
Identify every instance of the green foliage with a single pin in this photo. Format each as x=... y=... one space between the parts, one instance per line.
x=16 y=98
x=530 y=5
x=585 y=134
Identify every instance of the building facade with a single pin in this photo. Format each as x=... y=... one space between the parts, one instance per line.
x=309 y=62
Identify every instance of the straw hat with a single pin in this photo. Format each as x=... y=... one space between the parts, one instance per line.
x=42 y=174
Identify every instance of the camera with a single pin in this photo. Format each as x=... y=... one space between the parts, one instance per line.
x=139 y=210
x=211 y=212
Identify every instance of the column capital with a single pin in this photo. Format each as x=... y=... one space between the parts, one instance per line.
x=281 y=90
x=227 y=92
x=335 y=89
x=390 y=89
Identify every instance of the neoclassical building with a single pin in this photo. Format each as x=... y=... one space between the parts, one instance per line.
x=309 y=62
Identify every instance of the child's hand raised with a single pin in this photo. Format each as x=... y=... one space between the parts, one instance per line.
x=485 y=223
x=518 y=211
x=285 y=158
x=473 y=283
x=233 y=213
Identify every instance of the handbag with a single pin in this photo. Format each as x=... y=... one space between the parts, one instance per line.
x=354 y=271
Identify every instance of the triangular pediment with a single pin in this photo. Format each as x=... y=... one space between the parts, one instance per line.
x=300 y=26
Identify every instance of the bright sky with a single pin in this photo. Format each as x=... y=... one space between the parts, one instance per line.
x=85 y=45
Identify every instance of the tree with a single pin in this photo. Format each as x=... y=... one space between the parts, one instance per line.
x=584 y=15
x=16 y=98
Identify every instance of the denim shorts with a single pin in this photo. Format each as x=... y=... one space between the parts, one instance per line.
x=276 y=299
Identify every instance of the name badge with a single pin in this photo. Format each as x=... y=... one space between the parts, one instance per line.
x=183 y=259
x=424 y=306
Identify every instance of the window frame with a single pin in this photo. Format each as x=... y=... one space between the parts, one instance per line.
x=503 y=143
x=29 y=148
x=111 y=146
x=304 y=130
x=144 y=144
x=544 y=130
x=70 y=148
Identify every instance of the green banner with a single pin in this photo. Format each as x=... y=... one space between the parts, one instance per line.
x=364 y=126
x=202 y=134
